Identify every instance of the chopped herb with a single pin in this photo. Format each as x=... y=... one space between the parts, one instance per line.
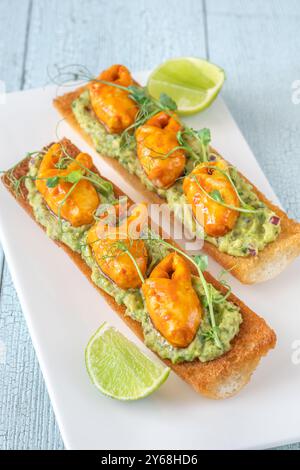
x=229 y=206
x=204 y=136
x=201 y=261
x=52 y=182
x=73 y=177
x=167 y=102
x=216 y=195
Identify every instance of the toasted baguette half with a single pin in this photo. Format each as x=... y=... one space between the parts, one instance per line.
x=220 y=378
x=249 y=270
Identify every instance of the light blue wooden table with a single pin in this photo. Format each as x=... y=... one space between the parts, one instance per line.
x=258 y=44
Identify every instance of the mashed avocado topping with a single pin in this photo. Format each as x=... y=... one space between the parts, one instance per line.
x=227 y=315
x=252 y=231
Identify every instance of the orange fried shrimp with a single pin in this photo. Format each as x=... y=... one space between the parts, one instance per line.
x=112 y=105
x=157 y=149
x=172 y=302
x=216 y=219
x=79 y=206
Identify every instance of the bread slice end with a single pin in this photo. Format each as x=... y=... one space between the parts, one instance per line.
x=220 y=378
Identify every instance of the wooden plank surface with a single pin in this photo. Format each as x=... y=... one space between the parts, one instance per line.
x=94 y=33
x=12 y=39
x=98 y=33
x=257 y=43
x=26 y=417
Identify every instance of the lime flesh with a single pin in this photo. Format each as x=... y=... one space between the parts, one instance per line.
x=119 y=369
x=191 y=82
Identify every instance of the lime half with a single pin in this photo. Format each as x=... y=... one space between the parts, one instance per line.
x=119 y=369
x=192 y=83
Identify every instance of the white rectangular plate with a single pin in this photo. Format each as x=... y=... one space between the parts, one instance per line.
x=63 y=310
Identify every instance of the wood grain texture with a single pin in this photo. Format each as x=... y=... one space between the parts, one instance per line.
x=98 y=33
x=12 y=51
x=26 y=417
x=257 y=43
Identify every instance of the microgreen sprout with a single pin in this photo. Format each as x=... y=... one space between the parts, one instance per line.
x=52 y=182
x=148 y=107
x=228 y=176
x=183 y=145
x=202 y=136
x=122 y=246
x=15 y=182
x=63 y=202
x=216 y=197
x=75 y=176
x=222 y=280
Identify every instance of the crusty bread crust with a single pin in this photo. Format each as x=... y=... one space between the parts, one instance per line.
x=249 y=270
x=220 y=378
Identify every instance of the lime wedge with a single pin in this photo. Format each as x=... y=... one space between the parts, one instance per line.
x=191 y=82
x=119 y=369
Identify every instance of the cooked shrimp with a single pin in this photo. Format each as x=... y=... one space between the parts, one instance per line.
x=112 y=105
x=109 y=246
x=216 y=219
x=156 y=149
x=78 y=208
x=172 y=302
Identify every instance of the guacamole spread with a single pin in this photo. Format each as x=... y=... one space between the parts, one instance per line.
x=227 y=315
x=252 y=231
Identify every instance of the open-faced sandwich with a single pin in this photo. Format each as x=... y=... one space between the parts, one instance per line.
x=146 y=142
x=188 y=318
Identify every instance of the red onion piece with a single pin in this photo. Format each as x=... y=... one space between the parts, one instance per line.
x=252 y=251
x=275 y=220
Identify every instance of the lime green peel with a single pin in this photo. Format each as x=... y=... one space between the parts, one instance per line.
x=119 y=369
x=191 y=82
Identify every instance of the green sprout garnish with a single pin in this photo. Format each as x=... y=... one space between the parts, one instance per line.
x=202 y=137
x=16 y=183
x=167 y=102
x=122 y=246
x=52 y=182
x=222 y=280
x=228 y=176
x=217 y=197
x=60 y=205
x=119 y=245
x=148 y=107
x=75 y=176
